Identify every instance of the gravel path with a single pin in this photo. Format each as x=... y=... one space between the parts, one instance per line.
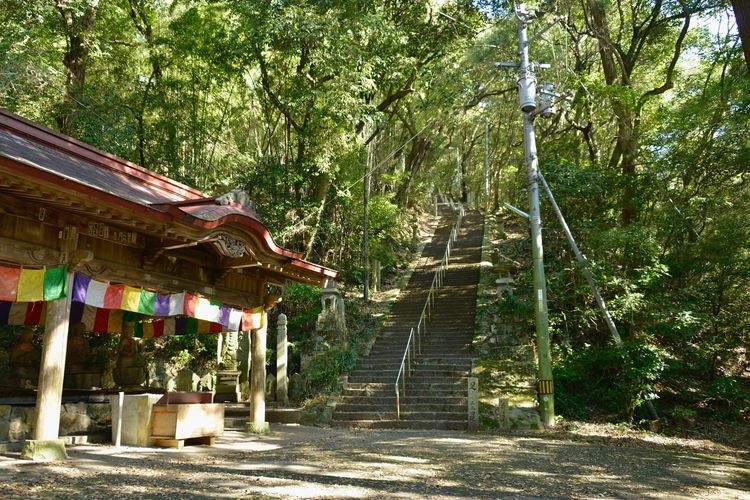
x=311 y=462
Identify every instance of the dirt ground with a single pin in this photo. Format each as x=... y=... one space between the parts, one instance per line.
x=311 y=462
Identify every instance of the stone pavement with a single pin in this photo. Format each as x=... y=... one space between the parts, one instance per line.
x=311 y=462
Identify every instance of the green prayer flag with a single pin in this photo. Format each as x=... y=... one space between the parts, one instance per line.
x=55 y=282
x=146 y=304
x=191 y=325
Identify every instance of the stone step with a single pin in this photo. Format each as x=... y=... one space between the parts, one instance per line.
x=386 y=399
x=402 y=424
x=439 y=406
x=422 y=371
x=434 y=395
x=390 y=414
x=235 y=422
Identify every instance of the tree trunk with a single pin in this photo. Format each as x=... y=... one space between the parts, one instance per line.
x=625 y=152
x=76 y=25
x=742 y=15
x=321 y=192
x=417 y=153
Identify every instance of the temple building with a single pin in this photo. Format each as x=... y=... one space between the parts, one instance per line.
x=92 y=243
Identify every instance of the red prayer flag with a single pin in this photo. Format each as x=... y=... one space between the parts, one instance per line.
x=113 y=296
x=34 y=313
x=191 y=302
x=252 y=319
x=101 y=321
x=9 y=283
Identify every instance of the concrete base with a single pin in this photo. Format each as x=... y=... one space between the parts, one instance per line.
x=44 y=450
x=136 y=419
x=257 y=428
x=284 y=415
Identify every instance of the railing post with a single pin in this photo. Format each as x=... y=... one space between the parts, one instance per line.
x=398 y=404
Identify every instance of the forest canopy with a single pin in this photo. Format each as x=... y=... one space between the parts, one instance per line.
x=292 y=100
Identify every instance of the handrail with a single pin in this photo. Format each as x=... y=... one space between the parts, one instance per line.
x=413 y=348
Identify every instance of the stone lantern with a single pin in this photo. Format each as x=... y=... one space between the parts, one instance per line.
x=332 y=301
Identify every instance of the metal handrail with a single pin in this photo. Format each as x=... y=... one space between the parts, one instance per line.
x=413 y=348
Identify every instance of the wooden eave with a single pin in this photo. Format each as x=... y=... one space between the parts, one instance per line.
x=58 y=172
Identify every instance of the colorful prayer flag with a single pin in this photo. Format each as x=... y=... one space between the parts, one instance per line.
x=252 y=319
x=169 y=327
x=4 y=312
x=89 y=316
x=207 y=310
x=147 y=302
x=55 y=282
x=131 y=299
x=113 y=296
x=180 y=325
x=161 y=305
x=235 y=320
x=191 y=304
x=9 y=277
x=95 y=293
x=177 y=304
x=17 y=314
x=35 y=313
x=30 y=285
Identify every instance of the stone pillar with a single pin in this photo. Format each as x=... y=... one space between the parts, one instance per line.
x=473 y=403
x=244 y=360
x=46 y=444
x=228 y=377
x=282 y=395
x=258 y=424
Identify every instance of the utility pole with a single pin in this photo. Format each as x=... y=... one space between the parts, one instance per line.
x=366 y=235
x=458 y=174
x=486 y=165
x=527 y=101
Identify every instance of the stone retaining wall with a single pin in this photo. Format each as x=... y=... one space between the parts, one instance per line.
x=17 y=421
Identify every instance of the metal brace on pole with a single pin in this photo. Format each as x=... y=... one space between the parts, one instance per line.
x=584 y=263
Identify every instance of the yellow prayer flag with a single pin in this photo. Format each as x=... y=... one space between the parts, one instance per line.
x=114 y=323
x=30 y=285
x=131 y=298
x=148 y=330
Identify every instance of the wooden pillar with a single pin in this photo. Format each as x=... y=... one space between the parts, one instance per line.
x=46 y=444
x=282 y=394
x=258 y=424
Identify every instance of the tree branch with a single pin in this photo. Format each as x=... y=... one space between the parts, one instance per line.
x=265 y=81
x=668 y=81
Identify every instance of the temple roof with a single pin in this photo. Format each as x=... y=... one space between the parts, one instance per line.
x=31 y=151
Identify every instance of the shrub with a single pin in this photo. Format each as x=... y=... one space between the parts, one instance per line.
x=606 y=379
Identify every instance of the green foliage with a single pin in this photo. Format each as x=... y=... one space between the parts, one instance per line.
x=615 y=380
x=326 y=369
x=196 y=352
x=288 y=100
x=734 y=399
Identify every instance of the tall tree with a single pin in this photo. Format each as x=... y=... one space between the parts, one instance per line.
x=77 y=19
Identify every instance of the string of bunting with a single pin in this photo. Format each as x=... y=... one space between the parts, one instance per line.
x=33 y=285
x=103 y=295
x=100 y=305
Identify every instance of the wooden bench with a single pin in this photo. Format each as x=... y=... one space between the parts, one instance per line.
x=186 y=417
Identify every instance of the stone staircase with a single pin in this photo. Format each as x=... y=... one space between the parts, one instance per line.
x=435 y=395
